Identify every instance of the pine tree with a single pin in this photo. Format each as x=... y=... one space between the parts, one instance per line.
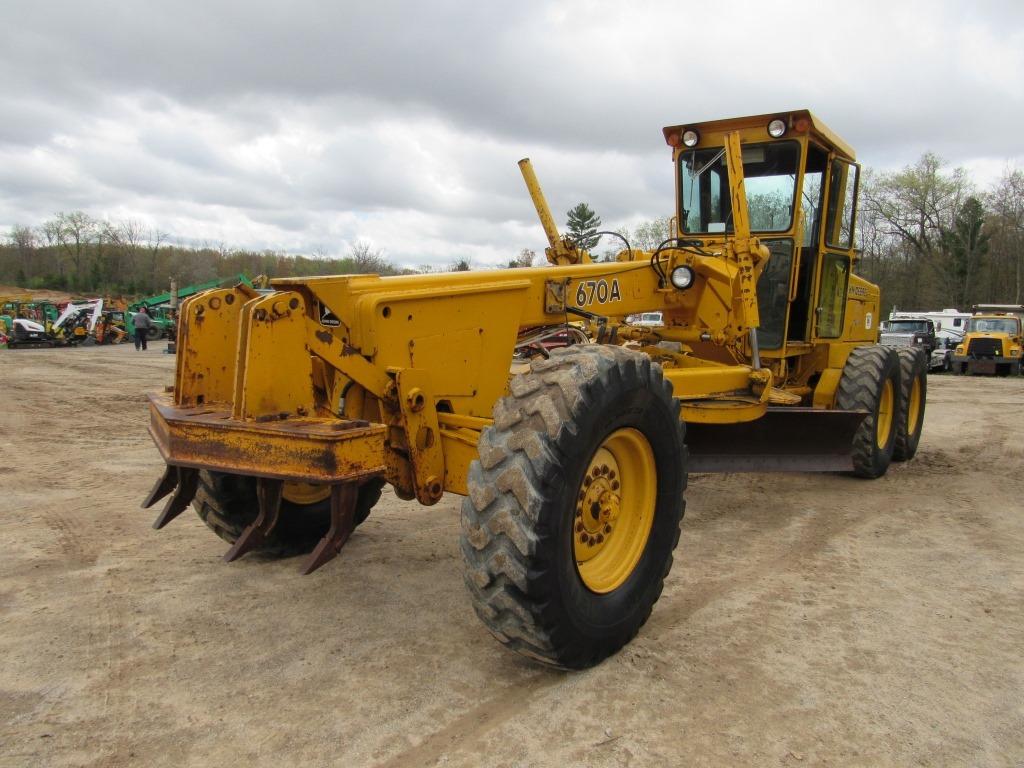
x=582 y=225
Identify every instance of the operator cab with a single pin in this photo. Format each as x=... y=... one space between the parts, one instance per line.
x=792 y=164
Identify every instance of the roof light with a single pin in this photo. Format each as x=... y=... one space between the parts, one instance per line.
x=776 y=128
x=690 y=137
x=673 y=139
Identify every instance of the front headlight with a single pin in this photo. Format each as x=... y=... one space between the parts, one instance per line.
x=681 y=277
x=919 y=339
x=960 y=349
x=1015 y=352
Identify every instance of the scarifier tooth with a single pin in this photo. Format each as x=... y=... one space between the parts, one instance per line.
x=187 y=483
x=268 y=493
x=168 y=480
x=343 y=511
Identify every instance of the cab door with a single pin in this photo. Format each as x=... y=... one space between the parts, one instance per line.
x=836 y=247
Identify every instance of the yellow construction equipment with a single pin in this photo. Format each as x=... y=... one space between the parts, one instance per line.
x=291 y=409
x=993 y=341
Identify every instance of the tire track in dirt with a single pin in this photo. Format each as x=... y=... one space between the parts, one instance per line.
x=469 y=729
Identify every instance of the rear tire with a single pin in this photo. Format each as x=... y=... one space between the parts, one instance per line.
x=544 y=583
x=913 y=395
x=227 y=504
x=154 y=333
x=871 y=382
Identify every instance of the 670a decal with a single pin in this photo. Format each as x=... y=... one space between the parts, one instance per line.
x=597 y=292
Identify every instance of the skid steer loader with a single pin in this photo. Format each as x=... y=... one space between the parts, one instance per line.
x=290 y=410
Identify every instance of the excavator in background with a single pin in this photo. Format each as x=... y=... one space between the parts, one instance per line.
x=291 y=409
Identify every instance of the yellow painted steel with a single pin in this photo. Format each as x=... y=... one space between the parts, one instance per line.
x=303 y=450
x=208 y=335
x=312 y=383
x=305 y=493
x=422 y=433
x=886 y=408
x=914 y=404
x=614 y=510
x=274 y=373
x=560 y=250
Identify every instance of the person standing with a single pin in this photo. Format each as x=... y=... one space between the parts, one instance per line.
x=143 y=322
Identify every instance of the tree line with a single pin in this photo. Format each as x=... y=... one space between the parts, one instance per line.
x=927 y=235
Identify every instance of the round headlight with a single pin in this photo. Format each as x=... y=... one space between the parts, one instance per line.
x=690 y=138
x=681 y=277
x=776 y=128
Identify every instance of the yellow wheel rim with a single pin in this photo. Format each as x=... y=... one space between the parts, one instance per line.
x=884 y=426
x=914 y=405
x=305 y=493
x=614 y=510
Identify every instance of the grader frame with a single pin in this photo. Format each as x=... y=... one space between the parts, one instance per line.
x=329 y=382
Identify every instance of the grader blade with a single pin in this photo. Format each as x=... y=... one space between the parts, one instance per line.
x=185 y=484
x=783 y=440
x=343 y=511
x=268 y=494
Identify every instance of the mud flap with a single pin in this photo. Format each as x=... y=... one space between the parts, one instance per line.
x=783 y=440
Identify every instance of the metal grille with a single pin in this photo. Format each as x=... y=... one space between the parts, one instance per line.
x=985 y=348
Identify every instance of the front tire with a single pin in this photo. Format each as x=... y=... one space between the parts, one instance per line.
x=227 y=504
x=574 y=505
x=871 y=382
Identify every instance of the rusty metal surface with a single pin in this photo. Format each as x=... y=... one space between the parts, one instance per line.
x=343 y=511
x=168 y=482
x=783 y=440
x=268 y=495
x=187 y=482
x=419 y=422
x=312 y=450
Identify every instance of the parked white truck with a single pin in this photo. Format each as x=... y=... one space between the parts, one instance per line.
x=937 y=332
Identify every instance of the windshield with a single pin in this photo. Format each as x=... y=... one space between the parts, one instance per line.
x=992 y=325
x=769 y=172
x=907 y=326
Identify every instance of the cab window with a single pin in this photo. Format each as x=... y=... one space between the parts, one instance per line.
x=842 y=200
x=835 y=272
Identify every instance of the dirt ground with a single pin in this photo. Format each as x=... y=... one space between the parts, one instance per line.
x=809 y=620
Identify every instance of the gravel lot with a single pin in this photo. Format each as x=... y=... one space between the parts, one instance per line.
x=810 y=619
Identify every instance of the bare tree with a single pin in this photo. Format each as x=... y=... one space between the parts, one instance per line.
x=914 y=207
x=154 y=240
x=368 y=260
x=524 y=258
x=75 y=231
x=1006 y=202
x=24 y=240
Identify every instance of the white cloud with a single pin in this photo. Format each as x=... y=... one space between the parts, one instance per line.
x=311 y=125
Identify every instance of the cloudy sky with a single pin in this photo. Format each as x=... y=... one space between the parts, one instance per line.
x=304 y=126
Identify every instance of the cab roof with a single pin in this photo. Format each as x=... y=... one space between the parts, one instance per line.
x=798 y=121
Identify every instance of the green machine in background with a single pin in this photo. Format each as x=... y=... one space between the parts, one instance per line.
x=162 y=308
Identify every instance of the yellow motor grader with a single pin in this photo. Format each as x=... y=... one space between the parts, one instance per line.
x=291 y=409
